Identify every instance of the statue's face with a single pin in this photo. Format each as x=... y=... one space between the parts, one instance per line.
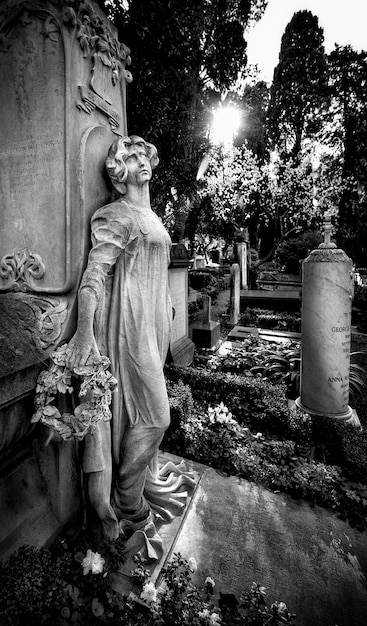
x=138 y=166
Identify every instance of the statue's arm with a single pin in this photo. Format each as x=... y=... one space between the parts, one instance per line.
x=110 y=233
x=83 y=346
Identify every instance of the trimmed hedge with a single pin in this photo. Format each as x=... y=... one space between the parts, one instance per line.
x=256 y=403
x=263 y=407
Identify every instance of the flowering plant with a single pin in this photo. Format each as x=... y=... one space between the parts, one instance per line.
x=93 y=562
x=97 y=383
x=71 y=584
x=220 y=415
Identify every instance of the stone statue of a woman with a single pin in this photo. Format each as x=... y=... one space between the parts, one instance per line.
x=125 y=312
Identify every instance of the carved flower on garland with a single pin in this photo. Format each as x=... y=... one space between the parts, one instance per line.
x=97 y=385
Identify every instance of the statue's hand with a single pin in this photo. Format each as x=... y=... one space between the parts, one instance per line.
x=83 y=350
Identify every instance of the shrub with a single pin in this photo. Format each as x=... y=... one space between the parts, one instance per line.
x=215 y=438
x=327 y=453
x=277 y=362
x=42 y=587
x=360 y=297
x=261 y=318
x=256 y=403
x=294 y=250
x=181 y=407
x=31 y=587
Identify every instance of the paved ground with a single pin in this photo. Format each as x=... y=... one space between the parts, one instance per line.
x=239 y=533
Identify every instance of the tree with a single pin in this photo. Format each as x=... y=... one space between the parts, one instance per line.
x=298 y=91
x=225 y=194
x=348 y=83
x=273 y=200
x=254 y=102
x=286 y=205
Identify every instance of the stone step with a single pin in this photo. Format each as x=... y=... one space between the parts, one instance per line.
x=243 y=332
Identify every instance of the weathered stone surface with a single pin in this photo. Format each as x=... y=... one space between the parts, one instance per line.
x=39 y=493
x=239 y=533
x=63 y=97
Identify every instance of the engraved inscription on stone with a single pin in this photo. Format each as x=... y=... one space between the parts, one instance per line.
x=31 y=179
x=25 y=168
x=342 y=335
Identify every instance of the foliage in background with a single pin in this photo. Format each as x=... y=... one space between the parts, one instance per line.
x=274 y=200
x=294 y=250
x=188 y=58
x=179 y=51
x=232 y=178
x=359 y=313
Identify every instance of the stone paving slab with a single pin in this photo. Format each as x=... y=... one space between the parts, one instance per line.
x=239 y=533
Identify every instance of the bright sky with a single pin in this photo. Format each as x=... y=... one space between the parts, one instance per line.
x=344 y=22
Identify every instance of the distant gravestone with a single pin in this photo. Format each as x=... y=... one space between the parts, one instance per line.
x=182 y=348
x=199 y=262
x=242 y=246
x=234 y=304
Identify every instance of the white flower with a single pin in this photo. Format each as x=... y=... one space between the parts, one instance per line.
x=149 y=593
x=93 y=562
x=282 y=608
x=225 y=418
x=211 y=414
x=192 y=564
x=204 y=614
x=214 y=619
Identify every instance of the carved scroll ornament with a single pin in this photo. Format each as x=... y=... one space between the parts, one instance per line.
x=20 y=269
x=50 y=314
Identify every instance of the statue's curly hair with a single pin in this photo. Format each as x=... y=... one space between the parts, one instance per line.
x=118 y=153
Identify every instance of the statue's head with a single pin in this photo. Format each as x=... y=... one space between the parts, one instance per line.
x=119 y=152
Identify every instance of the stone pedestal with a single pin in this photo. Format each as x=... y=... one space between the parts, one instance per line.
x=181 y=348
x=206 y=334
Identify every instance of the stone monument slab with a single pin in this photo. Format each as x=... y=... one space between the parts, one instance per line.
x=61 y=89
x=239 y=532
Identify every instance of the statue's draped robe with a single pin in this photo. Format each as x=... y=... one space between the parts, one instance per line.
x=128 y=271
